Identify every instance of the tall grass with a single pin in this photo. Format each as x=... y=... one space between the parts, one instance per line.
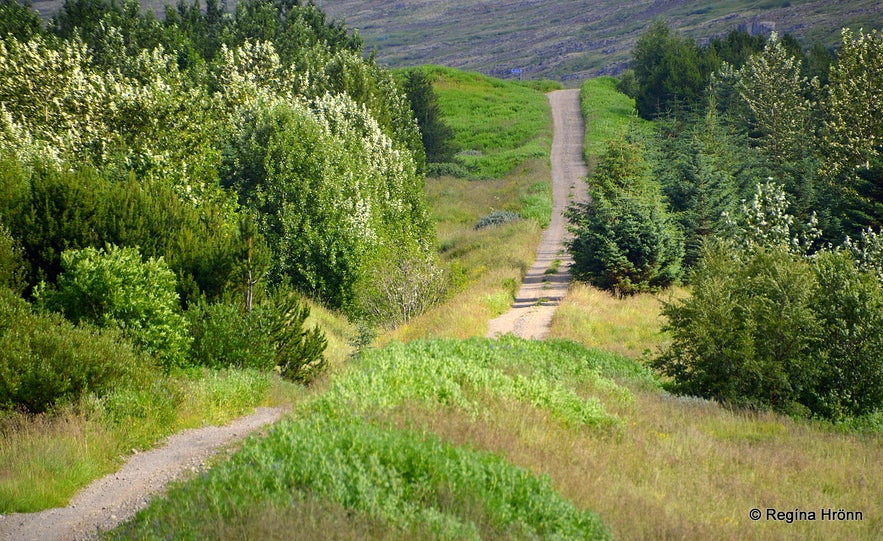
x=631 y=326
x=686 y=468
x=608 y=114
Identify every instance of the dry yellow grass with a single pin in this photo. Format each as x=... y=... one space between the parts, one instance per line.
x=490 y=263
x=685 y=468
x=631 y=326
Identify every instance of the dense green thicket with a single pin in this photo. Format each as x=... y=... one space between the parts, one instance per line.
x=808 y=119
x=770 y=329
x=212 y=161
x=45 y=359
x=437 y=136
x=776 y=150
x=115 y=288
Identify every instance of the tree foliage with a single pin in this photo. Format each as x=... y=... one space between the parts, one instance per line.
x=769 y=328
x=625 y=240
x=45 y=360
x=437 y=136
x=669 y=70
x=114 y=288
x=773 y=87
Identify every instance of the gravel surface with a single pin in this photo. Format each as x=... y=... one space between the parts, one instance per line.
x=116 y=498
x=542 y=290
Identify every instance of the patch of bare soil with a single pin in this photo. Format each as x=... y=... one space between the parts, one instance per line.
x=547 y=281
x=116 y=498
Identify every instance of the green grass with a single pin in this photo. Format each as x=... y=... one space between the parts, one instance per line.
x=608 y=113
x=498 y=124
x=45 y=460
x=631 y=326
x=488 y=264
x=345 y=448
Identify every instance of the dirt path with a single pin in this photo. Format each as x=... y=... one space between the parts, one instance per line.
x=116 y=498
x=547 y=282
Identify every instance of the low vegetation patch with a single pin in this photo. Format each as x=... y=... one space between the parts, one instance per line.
x=342 y=448
x=81 y=441
x=608 y=114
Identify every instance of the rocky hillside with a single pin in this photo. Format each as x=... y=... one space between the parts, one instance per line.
x=568 y=40
x=571 y=39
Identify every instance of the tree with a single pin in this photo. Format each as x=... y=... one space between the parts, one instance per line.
x=329 y=189
x=438 y=137
x=772 y=85
x=670 y=71
x=701 y=168
x=19 y=20
x=853 y=128
x=624 y=238
x=849 y=306
x=745 y=336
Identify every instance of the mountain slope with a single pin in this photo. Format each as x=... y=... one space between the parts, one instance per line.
x=570 y=39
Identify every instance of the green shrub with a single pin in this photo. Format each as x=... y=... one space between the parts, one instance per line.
x=448 y=169
x=225 y=336
x=402 y=285
x=497 y=217
x=115 y=288
x=46 y=361
x=410 y=481
x=849 y=306
x=769 y=328
x=298 y=351
x=270 y=336
x=12 y=265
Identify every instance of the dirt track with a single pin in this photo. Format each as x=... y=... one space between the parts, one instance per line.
x=545 y=285
x=116 y=498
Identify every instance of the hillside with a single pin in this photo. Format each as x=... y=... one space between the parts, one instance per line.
x=570 y=39
x=563 y=40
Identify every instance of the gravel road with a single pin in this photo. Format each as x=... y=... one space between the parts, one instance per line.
x=542 y=289
x=116 y=498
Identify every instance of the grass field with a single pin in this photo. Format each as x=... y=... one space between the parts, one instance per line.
x=498 y=124
x=46 y=459
x=608 y=114
x=400 y=440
